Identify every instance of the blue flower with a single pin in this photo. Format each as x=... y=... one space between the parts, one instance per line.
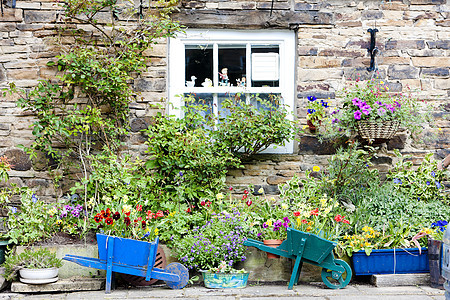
x=311 y=111
x=13 y=209
x=441 y=224
x=428 y=183
x=34 y=198
x=180 y=174
x=397 y=181
x=438 y=185
x=312 y=98
x=433 y=174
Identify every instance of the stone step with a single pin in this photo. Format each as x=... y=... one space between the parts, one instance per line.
x=388 y=280
x=62 y=285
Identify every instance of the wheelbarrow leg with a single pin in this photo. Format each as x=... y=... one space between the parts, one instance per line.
x=298 y=264
x=109 y=264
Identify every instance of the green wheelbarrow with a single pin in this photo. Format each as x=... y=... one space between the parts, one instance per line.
x=310 y=248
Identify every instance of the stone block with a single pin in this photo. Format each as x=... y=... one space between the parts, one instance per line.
x=275 y=6
x=313 y=62
x=342 y=53
x=443 y=72
x=443 y=44
x=429 y=62
x=402 y=72
x=35 y=16
x=276 y=179
x=404 y=44
x=361 y=74
x=427 y=2
x=19 y=160
x=318 y=95
x=149 y=85
x=12 y=15
x=66 y=285
x=389 y=280
x=310 y=144
x=371 y=15
x=443 y=84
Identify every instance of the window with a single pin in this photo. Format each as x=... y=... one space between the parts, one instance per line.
x=212 y=65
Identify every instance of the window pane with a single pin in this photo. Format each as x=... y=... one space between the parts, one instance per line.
x=199 y=65
x=265 y=66
x=224 y=112
x=266 y=101
x=202 y=102
x=232 y=64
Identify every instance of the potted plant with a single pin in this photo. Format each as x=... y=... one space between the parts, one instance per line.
x=37 y=266
x=224 y=276
x=435 y=235
x=374 y=112
x=315 y=112
x=220 y=241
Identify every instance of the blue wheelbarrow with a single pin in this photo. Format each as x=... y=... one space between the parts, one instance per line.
x=312 y=249
x=132 y=257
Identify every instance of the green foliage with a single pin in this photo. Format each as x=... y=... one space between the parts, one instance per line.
x=422 y=183
x=246 y=129
x=220 y=239
x=40 y=258
x=31 y=223
x=187 y=162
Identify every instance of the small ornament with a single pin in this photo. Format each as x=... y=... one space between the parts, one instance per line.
x=192 y=82
x=241 y=82
x=207 y=83
x=224 y=81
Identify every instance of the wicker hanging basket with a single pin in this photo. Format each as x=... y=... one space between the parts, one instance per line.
x=377 y=130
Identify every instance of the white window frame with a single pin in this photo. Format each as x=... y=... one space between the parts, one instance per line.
x=285 y=39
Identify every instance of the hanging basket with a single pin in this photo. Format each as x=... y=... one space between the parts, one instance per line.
x=377 y=130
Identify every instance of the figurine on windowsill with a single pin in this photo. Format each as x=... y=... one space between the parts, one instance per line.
x=192 y=82
x=241 y=82
x=207 y=83
x=224 y=81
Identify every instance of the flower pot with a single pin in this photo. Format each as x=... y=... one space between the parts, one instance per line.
x=225 y=280
x=391 y=261
x=434 y=258
x=274 y=244
x=38 y=276
x=311 y=126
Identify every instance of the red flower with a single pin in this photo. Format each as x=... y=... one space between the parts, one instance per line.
x=244 y=197
x=127 y=221
x=188 y=210
x=339 y=218
x=109 y=221
x=249 y=202
x=159 y=214
x=208 y=203
x=128 y=213
x=116 y=216
x=108 y=212
x=304 y=221
x=139 y=207
x=202 y=203
x=346 y=221
x=104 y=214
x=135 y=220
x=144 y=224
x=314 y=212
x=245 y=192
x=296 y=213
x=139 y=219
x=230 y=188
x=98 y=217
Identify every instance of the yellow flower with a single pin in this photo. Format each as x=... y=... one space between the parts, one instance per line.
x=305 y=126
x=156 y=231
x=367 y=244
x=220 y=196
x=309 y=228
x=316 y=168
x=126 y=208
x=172 y=213
x=382 y=82
x=261 y=191
x=52 y=211
x=273 y=199
x=440 y=129
x=59 y=222
x=323 y=202
x=125 y=198
x=284 y=206
x=269 y=222
x=427 y=231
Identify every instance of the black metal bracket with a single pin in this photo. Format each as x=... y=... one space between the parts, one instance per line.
x=373 y=49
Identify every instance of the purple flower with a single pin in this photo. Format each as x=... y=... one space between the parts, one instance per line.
x=357 y=115
x=438 y=185
x=286 y=219
x=381 y=111
x=365 y=111
x=378 y=102
x=356 y=101
x=265 y=225
x=397 y=181
x=335 y=121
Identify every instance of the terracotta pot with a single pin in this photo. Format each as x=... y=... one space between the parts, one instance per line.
x=274 y=244
x=311 y=126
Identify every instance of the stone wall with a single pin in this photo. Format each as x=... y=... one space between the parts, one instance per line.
x=413 y=39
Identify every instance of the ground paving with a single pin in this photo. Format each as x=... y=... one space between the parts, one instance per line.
x=252 y=292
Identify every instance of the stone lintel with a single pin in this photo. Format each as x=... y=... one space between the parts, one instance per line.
x=251 y=19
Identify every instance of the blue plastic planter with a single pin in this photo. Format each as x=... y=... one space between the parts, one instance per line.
x=225 y=280
x=383 y=261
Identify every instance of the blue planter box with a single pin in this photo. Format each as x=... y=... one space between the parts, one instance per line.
x=383 y=261
x=225 y=280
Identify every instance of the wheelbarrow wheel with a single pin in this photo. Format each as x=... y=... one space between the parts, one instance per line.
x=337 y=281
x=180 y=270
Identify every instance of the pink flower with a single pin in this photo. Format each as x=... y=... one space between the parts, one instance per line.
x=357 y=115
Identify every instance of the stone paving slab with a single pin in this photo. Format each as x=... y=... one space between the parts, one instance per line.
x=62 y=285
x=263 y=292
x=400 y=279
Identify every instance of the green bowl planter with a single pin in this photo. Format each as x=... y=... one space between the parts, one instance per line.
x=225 y=280
x=391 y=261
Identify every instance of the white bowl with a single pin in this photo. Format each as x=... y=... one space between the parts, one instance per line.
x=38 y=273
